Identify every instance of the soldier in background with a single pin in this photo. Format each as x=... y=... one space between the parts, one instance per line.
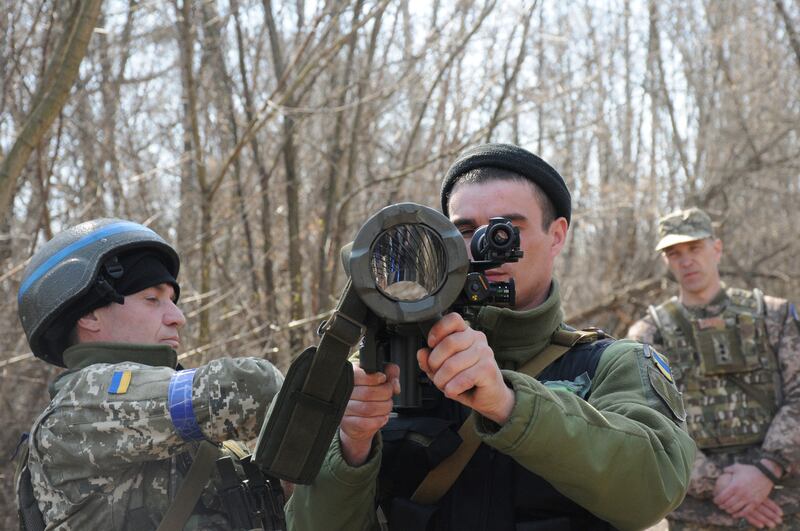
x=735 y=355
x=130 y=439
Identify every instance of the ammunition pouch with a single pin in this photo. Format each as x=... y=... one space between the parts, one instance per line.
x=721 y=350
x=253 y=503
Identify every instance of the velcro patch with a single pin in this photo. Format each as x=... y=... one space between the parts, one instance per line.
x=659 y=361
x=667 y=392
x=711 y=322
x=580 y=386
x=119 y=383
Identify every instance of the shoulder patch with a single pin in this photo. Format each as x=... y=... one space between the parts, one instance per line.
x=661 y=380
x=793 y=313
x=120 y=381
x=668 y=393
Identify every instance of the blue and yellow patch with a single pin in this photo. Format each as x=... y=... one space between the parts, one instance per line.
x=663 y=383
x=660 y=362
x=119 y=382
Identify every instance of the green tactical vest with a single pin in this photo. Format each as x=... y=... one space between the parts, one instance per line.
x=725 y=368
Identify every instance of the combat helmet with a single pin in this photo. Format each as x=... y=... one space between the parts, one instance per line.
x=74 y=273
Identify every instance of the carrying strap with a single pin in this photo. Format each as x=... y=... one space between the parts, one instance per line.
x=441 y=478
x=30 y=517
x=307 y=411
x=189 y=492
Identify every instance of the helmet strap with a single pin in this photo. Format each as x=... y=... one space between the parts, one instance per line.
x=113 y=270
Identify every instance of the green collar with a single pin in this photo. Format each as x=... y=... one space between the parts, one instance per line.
x=82 y=355
x=517 y=336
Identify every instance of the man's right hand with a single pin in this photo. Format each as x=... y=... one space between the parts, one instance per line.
x=367 y=411
x=766 y=514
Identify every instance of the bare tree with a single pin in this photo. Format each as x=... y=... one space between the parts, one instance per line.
x=51 y=94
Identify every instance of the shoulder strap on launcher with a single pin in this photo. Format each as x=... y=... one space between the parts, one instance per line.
x=441 y=478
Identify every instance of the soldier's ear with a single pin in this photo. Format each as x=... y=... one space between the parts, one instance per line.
x=718 y=248
x=89 y=322
x=558 y=231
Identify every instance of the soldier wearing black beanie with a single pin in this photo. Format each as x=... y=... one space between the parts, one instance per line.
x=514 y=159
x=539 y=450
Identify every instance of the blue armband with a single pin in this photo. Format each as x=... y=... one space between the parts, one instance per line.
x=180 y=406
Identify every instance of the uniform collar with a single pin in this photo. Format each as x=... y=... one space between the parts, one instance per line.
x=82 y=355
x=517 y=336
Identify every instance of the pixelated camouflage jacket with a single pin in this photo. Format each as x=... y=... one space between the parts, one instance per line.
x=622 y=454
x=100 y=460
x=782 y=441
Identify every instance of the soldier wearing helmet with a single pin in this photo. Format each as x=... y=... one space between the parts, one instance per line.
x=130 y=439
x=736 y=358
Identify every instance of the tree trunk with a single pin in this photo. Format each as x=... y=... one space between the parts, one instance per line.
x=195 y=156
x=50 y=96
x=292 y=187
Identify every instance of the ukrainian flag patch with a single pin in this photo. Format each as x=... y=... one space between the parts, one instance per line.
x=119 y=383
x=660 y=362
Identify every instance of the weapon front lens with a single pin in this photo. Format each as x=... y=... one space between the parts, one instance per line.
x=408 y=262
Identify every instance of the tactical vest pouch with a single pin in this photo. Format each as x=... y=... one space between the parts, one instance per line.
x=425 y=441
x=721 y=350
x=296 y=436
x=406 y=514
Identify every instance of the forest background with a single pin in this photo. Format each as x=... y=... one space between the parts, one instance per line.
x=258 y=136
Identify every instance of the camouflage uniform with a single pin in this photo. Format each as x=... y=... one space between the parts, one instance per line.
x=771 y=372
x=106 y=460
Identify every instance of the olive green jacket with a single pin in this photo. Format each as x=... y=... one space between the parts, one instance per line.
x=623 y=455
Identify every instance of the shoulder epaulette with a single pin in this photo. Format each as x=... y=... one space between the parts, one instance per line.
x=569 y=338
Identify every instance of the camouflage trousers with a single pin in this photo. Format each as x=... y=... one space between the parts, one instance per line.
x=791 y=522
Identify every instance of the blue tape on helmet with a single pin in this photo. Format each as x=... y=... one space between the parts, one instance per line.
x=63 y=254
x=180 y=406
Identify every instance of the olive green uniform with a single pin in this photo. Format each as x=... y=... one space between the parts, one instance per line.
x=622 y=455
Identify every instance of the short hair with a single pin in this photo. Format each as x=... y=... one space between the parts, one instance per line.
x=487 y=174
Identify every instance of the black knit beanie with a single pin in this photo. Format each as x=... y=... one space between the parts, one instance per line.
x=123 y=275
x=142 y=270
x=515 y=159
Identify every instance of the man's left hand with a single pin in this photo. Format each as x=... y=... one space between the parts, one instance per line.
x=745 y=491
x=461 y=364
